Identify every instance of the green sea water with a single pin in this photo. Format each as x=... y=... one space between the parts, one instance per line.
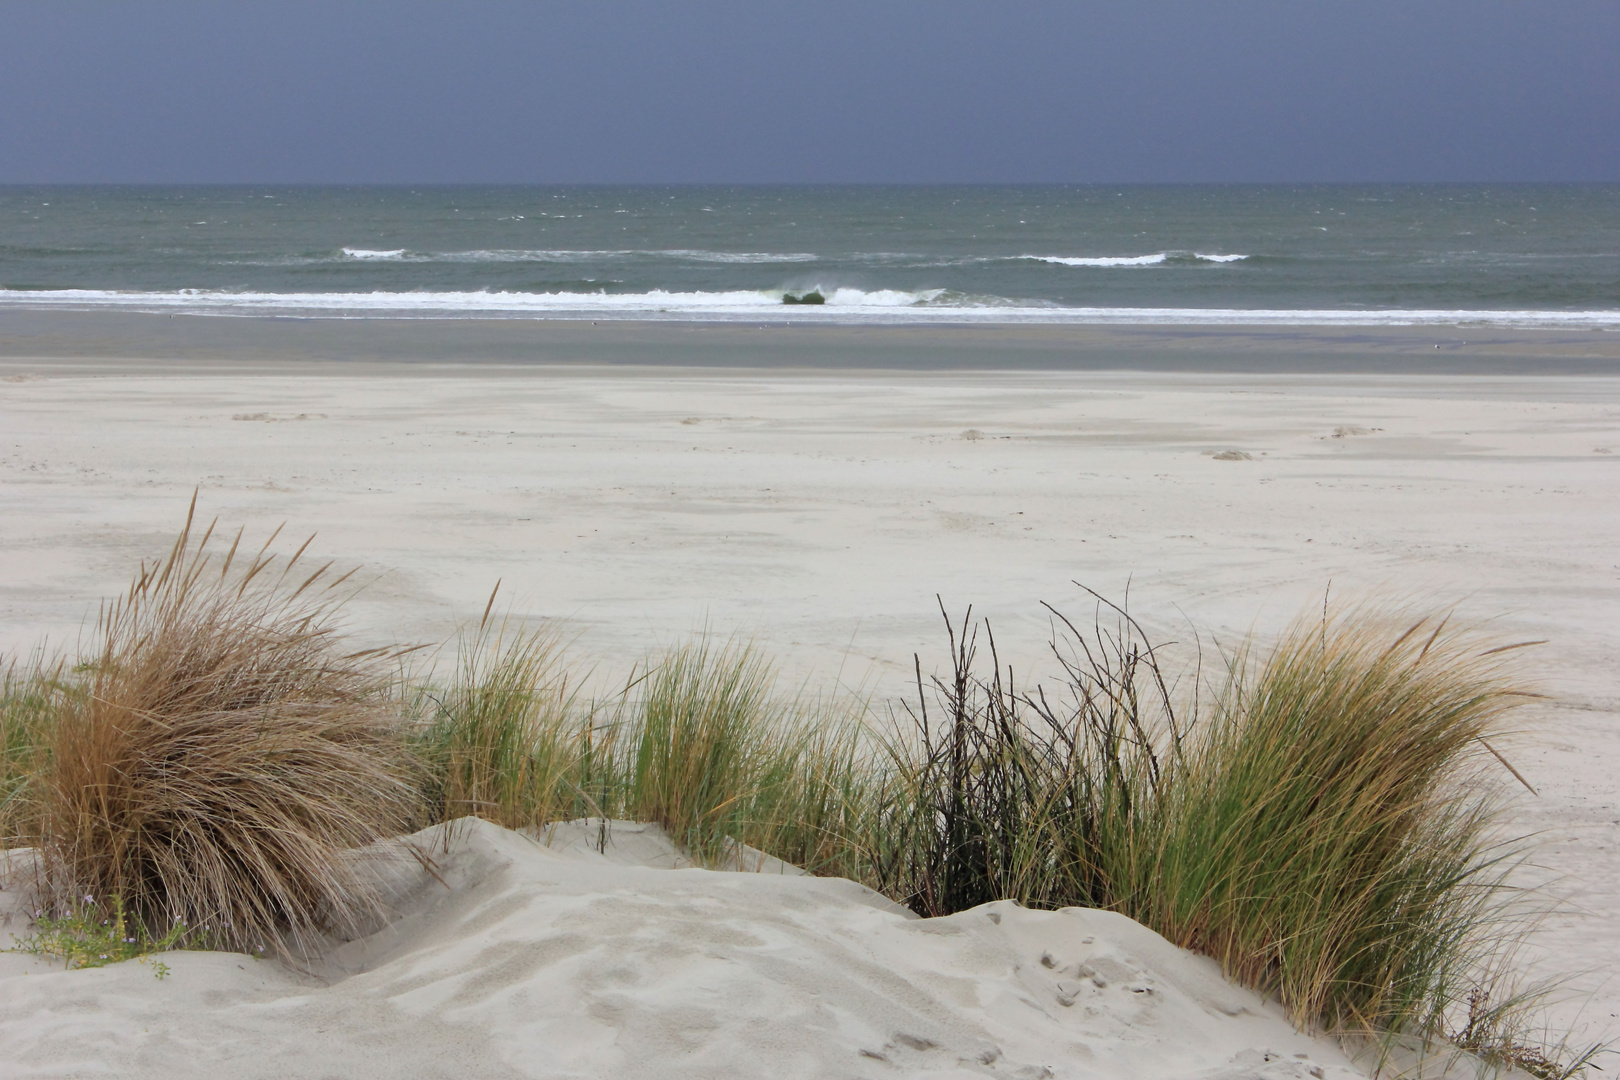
x=1390 y=254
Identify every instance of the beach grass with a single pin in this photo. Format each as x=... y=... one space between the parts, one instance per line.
x=714 y=755
x=1322 y=818
x=696 y=741
x=1034 y=794
x=1332 y=834
x=214 y=759
x=503 y=739
x=29 y=697
x=701 y=717
x=1325 y=823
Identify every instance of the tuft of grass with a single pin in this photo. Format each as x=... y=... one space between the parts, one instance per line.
x=697 y=748
x=697 y=741
x=506 y=740
x=1032 y=795
x=817 y=783
x=1326 y=828
x=1332 y=834
x=219 y=758
x=29 y=697
x=711 y=752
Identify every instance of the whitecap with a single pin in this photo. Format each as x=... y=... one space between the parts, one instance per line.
x=1158 y=258
x=566 y=255
x=1100 y=260
x=379 y=304
x=879 y=298
x=752 y=257
x=369 y=253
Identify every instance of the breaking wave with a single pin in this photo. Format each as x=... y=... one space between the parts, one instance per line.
x=541 y=255
x=840 y=305
x=1156 y=259
x=404 y=304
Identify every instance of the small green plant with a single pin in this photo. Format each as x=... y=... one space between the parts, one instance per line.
x=83 y=938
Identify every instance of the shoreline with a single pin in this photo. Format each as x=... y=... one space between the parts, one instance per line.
x=79 y=338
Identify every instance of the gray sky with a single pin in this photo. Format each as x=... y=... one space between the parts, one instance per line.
x=809 y=91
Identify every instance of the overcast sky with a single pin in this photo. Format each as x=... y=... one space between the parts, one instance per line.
x=809 y=91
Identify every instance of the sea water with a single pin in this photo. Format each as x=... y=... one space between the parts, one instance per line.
x=1532 y=255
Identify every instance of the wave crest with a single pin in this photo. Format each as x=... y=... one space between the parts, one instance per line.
x=1156 y=259
x=564 y=255
x=850 y=305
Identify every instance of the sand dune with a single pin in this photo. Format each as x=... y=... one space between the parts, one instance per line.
x=528 y=960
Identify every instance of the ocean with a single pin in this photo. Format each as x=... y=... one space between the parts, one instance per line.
x=1530 y=255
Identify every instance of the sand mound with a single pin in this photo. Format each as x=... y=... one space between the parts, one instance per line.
x=509 y=958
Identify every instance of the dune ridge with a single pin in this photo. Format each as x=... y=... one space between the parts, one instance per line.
x=515 y=955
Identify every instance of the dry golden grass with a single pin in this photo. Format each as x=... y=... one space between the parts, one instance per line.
x=219 y=757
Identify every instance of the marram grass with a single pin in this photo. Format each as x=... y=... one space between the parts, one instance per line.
x=701 y=720
x=696 y=741
x=1325 y=825
x=1330 y=836
x=714 y=755
x=214 y=759
x=504 y=739
x=30 y=696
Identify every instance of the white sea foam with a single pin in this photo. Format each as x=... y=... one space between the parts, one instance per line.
x=1156 y=259
x=471 y=303
x=735 y=256
x=882 y=298
x=562 y=255
x=1123 y=260
x=847 y=305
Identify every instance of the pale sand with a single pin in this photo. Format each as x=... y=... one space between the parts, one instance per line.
x=531 y=961
x=820 y=512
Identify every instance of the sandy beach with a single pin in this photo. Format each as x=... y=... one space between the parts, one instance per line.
x=819 y=506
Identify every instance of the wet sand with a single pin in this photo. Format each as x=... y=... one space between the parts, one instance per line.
x=61 y=337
